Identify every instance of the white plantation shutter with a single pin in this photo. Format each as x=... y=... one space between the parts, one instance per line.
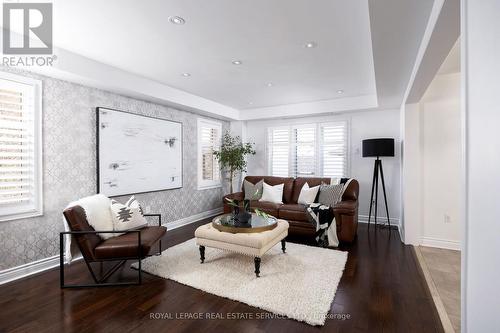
x=333 y=149
x=316 y=150
x=20 y=147
x=278 y=151
x=209 y=134
x=304 y=151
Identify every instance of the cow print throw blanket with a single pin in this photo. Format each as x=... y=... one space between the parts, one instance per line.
x=322 y=216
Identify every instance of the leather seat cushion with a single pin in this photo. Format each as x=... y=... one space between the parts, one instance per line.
x=293 y=212
x=127 y=245
x=267 y=207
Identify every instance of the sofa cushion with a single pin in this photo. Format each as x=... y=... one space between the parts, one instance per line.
x=308 y=194
x=127 y=245
x=267 y=207
x=293 y=212
x=329 y=195
x=253 y=191
x=287 y=181
x=272 y=193
x=300 y=181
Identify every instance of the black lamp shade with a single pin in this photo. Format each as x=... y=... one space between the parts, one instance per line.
x=378 y=147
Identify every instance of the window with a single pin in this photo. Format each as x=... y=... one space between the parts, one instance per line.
x=304 y=151
x=313 y=150
x=20 y=147
x=333 y=149
x=279 y=146
x=209 y=140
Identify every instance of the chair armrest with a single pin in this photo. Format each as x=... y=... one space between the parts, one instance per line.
x=157 y=215
x=81 y=232
x=234 y=196
x=347 y=207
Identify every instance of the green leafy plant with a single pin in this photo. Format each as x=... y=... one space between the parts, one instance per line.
x=231 y=202
x=232 y=154
x=261 y=213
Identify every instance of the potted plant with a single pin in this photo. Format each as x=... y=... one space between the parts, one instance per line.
x=231 y=156
x=245 y=215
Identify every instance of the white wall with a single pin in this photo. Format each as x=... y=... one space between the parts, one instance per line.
x=363 y=125
x=441 y=162
x=432 y=165
x=480 y=60
x=412 y=178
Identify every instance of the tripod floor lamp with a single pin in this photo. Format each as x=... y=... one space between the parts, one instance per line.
x=378 y=148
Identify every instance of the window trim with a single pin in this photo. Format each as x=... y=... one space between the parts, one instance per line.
x=318 y=125
x=37 y=146
x=206 y=184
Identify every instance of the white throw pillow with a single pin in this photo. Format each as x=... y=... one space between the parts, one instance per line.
x=128 y=216
x=308 y=194
x=272 y=194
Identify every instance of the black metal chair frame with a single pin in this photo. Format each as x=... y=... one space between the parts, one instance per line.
x=100 y=282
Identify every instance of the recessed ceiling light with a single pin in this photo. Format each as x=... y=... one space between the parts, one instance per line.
x=176 y=20
x=340 y=91
x=237 y=62
x=250 y=103
x=186 y=74
x=270 y=84
x=310 y=45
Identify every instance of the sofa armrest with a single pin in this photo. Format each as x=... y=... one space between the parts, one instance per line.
x=234 y=196
x=348 y=207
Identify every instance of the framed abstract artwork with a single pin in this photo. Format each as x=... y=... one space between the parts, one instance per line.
x=137 y=154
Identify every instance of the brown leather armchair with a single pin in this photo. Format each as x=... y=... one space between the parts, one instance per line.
x=132 y=245
x=345 y=212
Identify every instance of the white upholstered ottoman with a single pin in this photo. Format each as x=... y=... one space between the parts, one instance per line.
x=252 y=244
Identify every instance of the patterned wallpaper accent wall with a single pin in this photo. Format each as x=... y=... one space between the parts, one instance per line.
x=69 y=167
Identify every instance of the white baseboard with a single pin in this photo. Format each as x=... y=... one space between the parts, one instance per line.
x=193 y=218
x=38 y=266
x=441 y=243
x=28 y=269
x=380 y=219
x=383 y=219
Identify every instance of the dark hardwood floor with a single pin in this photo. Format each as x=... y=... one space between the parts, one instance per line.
x=382 y=290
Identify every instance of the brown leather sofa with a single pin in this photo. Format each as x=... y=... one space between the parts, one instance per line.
x=345 y=212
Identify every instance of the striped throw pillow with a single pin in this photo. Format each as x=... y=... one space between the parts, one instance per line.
x=329 y=195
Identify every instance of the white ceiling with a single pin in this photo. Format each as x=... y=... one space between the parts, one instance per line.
x=397 y=29
x=267 y=36
x=367 y=48
x=445 y=22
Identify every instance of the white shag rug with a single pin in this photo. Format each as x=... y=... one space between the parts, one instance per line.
x=299 y=284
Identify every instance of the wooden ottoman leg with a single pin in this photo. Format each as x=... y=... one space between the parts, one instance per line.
x=283 y=245
x=202 y=254
x=257 y=266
